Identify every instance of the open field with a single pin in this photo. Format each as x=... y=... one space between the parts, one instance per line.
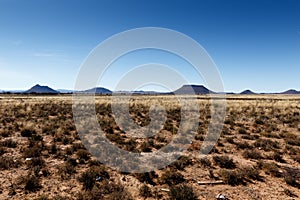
x=256 y=157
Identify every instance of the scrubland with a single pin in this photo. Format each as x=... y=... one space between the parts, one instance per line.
x=256 y=157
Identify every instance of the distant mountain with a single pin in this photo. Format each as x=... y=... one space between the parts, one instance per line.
x=65 y=91
x=291 y=92
x=247 y=92
x=38 y=89
x=97 y=90
x=193 y=89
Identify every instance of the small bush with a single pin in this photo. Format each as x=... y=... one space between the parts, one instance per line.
x=224 y=162
x=181 y=163
x=243 y=145
x=232 y=177
x=172 y=178
x=147 y=177
x=242 y=131
x=83 y=154
x=145 y=191
x=272 y=169
x=182 y=192
x=252 y=154
x=88 y=179
x=66 y=170
x=28 y=132
x=2 y=151
x=250 y=137
x=250 y=173
x=277 y=157
x=32 y=152
x=32 y=183
x=7 y=162
x=230 y=140
x=205 y=162
x=267 y=144
x=290 y=177
x=37 y=161
x=9 y=143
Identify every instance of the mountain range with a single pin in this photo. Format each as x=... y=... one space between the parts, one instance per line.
x=185 y=89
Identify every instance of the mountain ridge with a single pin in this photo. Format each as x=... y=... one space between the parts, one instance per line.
x=185 y=89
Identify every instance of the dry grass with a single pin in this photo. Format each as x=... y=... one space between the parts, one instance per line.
x=257 y=155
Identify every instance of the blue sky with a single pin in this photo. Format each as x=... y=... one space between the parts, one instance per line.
x=255 y=44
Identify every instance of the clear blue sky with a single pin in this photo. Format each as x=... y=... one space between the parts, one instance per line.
x=254 y=43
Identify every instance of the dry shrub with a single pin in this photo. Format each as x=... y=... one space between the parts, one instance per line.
x=8 y=162
x=181 y=163
x=272 y=169
x=205 y=162
x=9 y=143
x=232 y=177
x=83 y=154
x=147 y=177
x=267 y=144
x=224 y=162
x=252 y=154
x=172 y=178
x=244 y=145
x=28 y=132
x=145 y=191
x=182 y=192
x=32 y=183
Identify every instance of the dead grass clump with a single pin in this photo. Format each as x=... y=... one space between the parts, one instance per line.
x=8 y=162
x=291 y=178
x=31 y=152
x=182 y=192
x=277 y=156
x=267 y=144
x=205 y=162
x=242 y=131
x=32 y=183
x=232 y=177
x=244 y=145
x=9 y=143
x=88 y=179
x=106 y=190
x=145 y=191
x=224 y=162
x=272 y=169
x=28 y=132
x=293 y=142
x=250 y=172
x=252 y=154
x=172 y=178
x=230 y=140
x=147 y=177
x=250 y=137
x=83 y=154
x=66 y=171
x=2 y=151
x=181 y=163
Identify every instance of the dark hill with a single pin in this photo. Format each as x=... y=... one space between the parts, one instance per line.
x=247 y=92
x=193 y=89
x=291 y=92
x=98 y=90
x=38 y=89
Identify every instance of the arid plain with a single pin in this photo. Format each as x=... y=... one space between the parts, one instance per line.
x=256 y=157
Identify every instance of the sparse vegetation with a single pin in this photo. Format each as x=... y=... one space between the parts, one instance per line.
x=43 y=157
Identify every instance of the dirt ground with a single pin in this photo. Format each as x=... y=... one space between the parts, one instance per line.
x=256 y=157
